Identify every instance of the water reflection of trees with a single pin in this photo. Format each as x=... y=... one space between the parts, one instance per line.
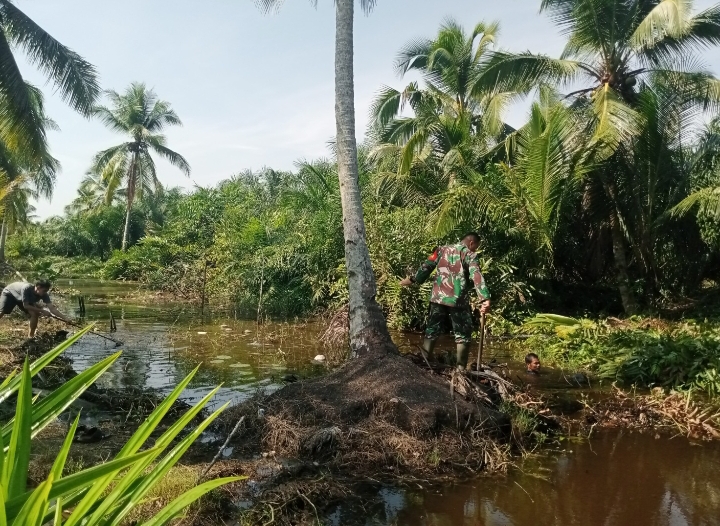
x=616 y=480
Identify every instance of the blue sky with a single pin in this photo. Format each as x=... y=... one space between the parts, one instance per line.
x=252 y=90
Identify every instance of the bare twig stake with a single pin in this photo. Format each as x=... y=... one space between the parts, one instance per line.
x=116 y=342
x=422 y=353
x=222 y=448
x=202 y=300
x=482 y=340
x=262 y=278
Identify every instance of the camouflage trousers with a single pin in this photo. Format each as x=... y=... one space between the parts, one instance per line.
x=460 y=317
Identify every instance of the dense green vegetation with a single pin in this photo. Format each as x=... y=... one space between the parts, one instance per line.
x=633 y=352
x=605 y=200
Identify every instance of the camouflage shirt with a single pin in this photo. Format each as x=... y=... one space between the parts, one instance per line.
x=457 y=269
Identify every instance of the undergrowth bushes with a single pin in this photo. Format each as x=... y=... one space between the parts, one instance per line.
x=686 y=355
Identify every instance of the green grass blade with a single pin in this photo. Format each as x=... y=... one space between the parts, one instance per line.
x=3 y=517
x=57 y=520
x=3 y=488
x=161 y=469
x=152 y=421
x=59 y=463
x=79 y=481
x=183 y=501
x=33 y=512
x=120 y=490
x=131 y=446
x=9 y=387
x=60 y=399
x=7 y=381
x=14 y=479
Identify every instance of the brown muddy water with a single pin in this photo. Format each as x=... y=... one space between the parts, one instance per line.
x=614 y=479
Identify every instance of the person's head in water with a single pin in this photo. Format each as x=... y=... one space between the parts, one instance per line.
x=42 y=287
x=471 y=240
x=532 y=362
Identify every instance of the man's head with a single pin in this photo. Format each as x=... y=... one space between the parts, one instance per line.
x=42 y=286
x=472 y=241
x=532 y=362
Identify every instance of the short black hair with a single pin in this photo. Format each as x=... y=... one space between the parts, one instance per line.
x=43 y=284
x=530 y=357
x=472 y=235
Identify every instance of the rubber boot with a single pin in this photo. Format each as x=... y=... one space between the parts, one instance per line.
x=463 y=351
x=427 y=349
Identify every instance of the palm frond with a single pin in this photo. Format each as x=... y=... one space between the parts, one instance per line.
x=523 y=72
x=669 y=18
x=705 y=200
x=386 y=106
x=21 y=127
x=75 y=77
x=110 y=119
x=169 y=155
x=614 y=121
x=104 y=157
x=413 y=56
x=699 y=32
x=461 y=204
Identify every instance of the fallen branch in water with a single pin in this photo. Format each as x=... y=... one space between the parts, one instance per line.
x=676 y=410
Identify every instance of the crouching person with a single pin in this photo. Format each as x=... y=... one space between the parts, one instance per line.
x=26 y=297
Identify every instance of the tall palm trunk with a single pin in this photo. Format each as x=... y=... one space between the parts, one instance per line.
x=368 y=330
x=3 y=238
x=618 y=243
x=130 y=198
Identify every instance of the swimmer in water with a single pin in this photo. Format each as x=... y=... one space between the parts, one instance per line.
x=532 y=363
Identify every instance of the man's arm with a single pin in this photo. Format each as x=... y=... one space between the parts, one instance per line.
x=424 y=271
x=27 y=301
x=54 y=310
x=479 y=281
x=32 y=308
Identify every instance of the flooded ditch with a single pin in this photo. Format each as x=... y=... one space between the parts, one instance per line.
x=614 y=479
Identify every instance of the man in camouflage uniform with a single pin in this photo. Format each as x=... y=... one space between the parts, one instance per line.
x=457 y=272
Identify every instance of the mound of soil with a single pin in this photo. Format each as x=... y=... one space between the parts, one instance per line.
x=387 y=386
x=379 y=417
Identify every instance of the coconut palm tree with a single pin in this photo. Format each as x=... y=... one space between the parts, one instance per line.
x=139 y=114
x=614 y=49
x=95 y=192
x=450 y=127
x=451 y=65
x=25 y=174
x=368 y=329
x=76 y=79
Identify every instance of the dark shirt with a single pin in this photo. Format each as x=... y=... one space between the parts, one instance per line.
x=25 y=293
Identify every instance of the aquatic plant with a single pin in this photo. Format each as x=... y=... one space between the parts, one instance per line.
x=100 y=495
